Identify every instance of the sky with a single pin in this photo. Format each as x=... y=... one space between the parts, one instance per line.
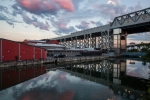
x=42 y=19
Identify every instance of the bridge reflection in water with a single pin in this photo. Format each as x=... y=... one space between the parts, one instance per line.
x=101 y=80
x=111 y=73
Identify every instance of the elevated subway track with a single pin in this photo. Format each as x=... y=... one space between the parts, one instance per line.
x=103 y=37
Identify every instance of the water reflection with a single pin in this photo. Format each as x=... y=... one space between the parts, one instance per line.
x=102 y=80
x=137 y=69
x=13 y=76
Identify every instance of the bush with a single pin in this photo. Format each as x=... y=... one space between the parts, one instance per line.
x=144 y=50
x=147 y=56
x=133 y=50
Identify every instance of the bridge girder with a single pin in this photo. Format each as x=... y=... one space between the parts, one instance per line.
x=102 y=36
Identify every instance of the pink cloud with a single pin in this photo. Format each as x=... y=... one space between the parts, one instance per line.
x=46 y=6
x=66 y=4
x=62 y=25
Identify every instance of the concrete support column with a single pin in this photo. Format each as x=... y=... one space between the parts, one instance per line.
x=102 y=40
x=60 y=41
x=76 y=42
x=99 y=42
x=65 y=44
x=123 y=42
x=80 y=43
x=84 y=41
x=95 y=42
x=90 y=41
x=71 y=42
x=108 y=38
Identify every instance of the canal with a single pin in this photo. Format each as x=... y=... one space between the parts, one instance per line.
x=119 y=79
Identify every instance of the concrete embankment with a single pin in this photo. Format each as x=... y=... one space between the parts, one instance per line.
x=52 y=60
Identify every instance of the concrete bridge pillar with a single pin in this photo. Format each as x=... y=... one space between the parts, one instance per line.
x=120 y=40
x=123 y=42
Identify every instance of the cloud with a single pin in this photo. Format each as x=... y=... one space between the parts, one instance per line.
x=10 y=23
x=34 y=21
x=114 y=8
x=61 y=26
x=46 y=6
x=16 y=10
x=5 y=9
x=139 y=37
x=83 y=25
x=114 y=2
x=77 y=3
x=3 y=17
x=66 y=4
x=98 y=23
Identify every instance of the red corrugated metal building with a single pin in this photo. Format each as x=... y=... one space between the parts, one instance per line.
x=11 y=50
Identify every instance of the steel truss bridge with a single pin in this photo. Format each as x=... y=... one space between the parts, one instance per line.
x=109 y=74
x=103 y=36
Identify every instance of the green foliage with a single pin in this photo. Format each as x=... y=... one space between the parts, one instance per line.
x=132 y=50
x=145 y=59
x=147 y=56
x=144 y=49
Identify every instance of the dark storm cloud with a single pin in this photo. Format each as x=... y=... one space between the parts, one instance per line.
x=34 y=21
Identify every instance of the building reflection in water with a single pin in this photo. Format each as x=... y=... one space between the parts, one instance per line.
x=111 y=73
x=13 y=76
x=58 y=83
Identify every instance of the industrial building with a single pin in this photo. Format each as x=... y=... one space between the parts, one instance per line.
x=11 y=51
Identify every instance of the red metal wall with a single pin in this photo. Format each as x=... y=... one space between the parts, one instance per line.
x=26 y=52
x=9 y=50
x=43 y=53
x=37 y=53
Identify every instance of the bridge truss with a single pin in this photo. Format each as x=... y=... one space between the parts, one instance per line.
x=103 y=36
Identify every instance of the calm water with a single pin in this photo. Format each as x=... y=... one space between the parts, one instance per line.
x=103 y=80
